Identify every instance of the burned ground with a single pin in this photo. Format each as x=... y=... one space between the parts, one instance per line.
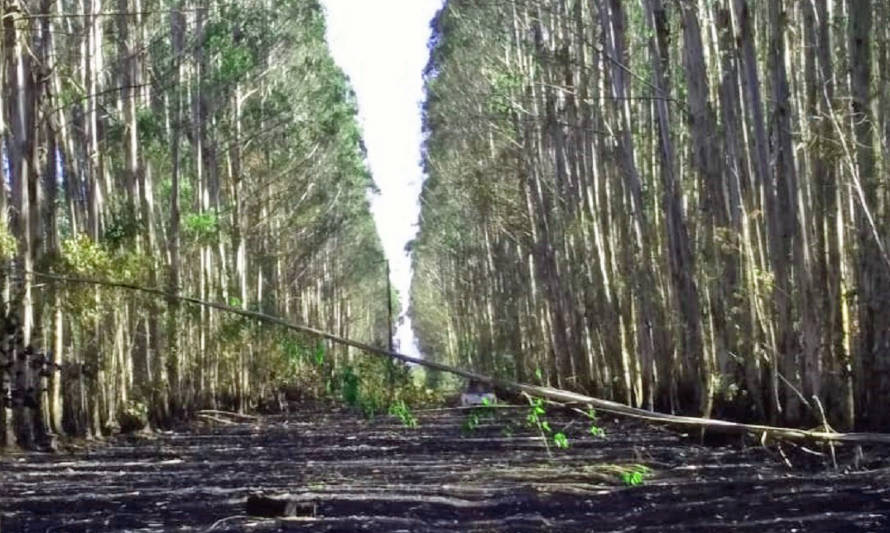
x=376 y=475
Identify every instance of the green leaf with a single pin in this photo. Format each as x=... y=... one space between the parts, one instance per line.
x=319 y=353
x=635 y=477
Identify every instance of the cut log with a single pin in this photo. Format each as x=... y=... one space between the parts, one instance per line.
x=280 y=506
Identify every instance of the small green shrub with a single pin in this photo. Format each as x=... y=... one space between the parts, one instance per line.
x=400 y=410
x=472 y=422
x=349 y=386
x=535 y=413
x=594 y=430
x=475 y=416
x=8 y=243
x=370 y=406
x=635 y=476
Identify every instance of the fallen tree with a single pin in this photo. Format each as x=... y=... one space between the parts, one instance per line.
x=556 y=395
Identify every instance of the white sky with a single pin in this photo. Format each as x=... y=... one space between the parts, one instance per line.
x=381 y=45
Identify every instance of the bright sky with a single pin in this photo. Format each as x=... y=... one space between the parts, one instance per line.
x=381 y=45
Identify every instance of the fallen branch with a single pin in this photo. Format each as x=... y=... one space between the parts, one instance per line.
x=212 y=418
x=223 y=521
x=826 y=427
x=549 y=393
x=228 y=414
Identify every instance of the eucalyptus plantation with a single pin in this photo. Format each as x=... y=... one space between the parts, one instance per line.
x=208 y=149
x=678 y=205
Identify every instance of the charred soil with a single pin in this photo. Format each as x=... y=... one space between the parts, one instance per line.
x=445 y=475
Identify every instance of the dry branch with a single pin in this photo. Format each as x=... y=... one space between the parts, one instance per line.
x=211 y=418
x=548 y=393
x=215 y=412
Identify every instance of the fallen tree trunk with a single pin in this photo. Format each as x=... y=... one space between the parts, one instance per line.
x=548 y=393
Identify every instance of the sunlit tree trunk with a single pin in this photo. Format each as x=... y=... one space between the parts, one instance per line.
x=177 y=35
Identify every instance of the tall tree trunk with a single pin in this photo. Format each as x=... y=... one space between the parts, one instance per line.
x=715 y=204
x=22 y=161
x=128 y=65
x=696 y=368
x=874 y=272
x=776 y=322
x=177 y=34
x=639 y=258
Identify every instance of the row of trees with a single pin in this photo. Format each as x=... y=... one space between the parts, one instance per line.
x=677 y=204
x=208 y=148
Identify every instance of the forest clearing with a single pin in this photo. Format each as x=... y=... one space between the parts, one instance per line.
x=675 y=213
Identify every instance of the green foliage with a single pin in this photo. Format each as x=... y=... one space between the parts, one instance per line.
x=233 y=330
x=504 y=88
x=70 y=94
x=477 y=414
x=472 y=421
x=290 y=359
x=368 y=384
x=292 y=354
x=535 y=418
x=594 y=429
x=202 y=228
x=349 y=386
x=271 y=94
x=186 y=190
x=536 y=412
x=8 y=243
x=401 y=411
x=149 y=126
x=370 y=406
x=83 y=257
x=121 y=230
x=234 y=63
x=634 y=476
x=319 y=353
